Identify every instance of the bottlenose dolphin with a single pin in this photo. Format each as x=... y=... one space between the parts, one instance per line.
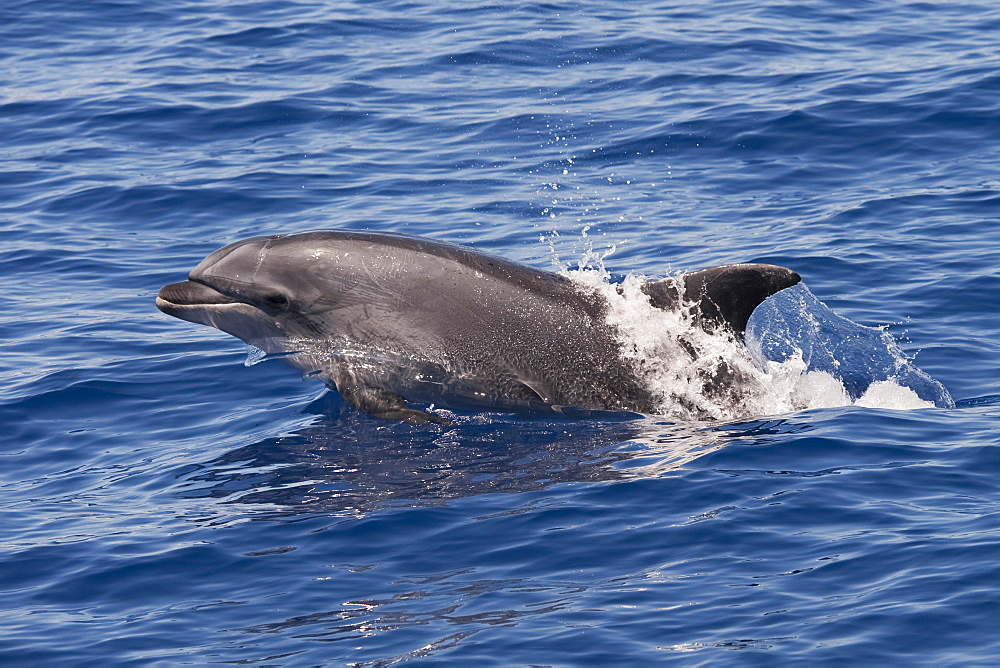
x=389 y=318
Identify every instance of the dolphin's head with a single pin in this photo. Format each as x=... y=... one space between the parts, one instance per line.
x=253 y=289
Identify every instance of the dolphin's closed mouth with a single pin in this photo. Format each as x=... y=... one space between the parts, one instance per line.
x=195 y=301
x=189 y=293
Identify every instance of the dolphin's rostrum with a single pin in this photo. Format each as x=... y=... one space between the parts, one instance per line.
x=388 y=318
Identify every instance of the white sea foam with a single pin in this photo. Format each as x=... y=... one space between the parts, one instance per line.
x=887 y=394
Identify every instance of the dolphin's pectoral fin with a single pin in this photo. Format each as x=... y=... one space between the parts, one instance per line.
x=531 y=391
x=722 y=296
x=525 y=386
x=384 y=404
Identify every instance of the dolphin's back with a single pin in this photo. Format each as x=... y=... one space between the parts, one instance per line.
x=394 y=246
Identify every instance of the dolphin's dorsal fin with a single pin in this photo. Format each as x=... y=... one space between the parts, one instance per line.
x=724 y=295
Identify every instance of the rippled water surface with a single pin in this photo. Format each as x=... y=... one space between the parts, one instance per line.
x=164 y=504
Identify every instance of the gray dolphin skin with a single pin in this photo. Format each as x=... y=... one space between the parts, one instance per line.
x=387 y=318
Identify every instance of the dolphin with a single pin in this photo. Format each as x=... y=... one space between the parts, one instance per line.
x=387 y=319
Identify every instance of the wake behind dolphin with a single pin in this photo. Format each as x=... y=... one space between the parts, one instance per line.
x=389 y=319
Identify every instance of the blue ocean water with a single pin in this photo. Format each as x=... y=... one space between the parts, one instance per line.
x=164 y=504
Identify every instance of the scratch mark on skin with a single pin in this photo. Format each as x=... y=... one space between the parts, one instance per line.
x=260 y=257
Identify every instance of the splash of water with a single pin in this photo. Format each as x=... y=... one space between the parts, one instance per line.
x=254 y=355
x=274 y=348
x=797 y=355
x=794 y=326
x=693 y=374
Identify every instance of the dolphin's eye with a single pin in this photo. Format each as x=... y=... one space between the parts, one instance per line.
x=273 y=302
